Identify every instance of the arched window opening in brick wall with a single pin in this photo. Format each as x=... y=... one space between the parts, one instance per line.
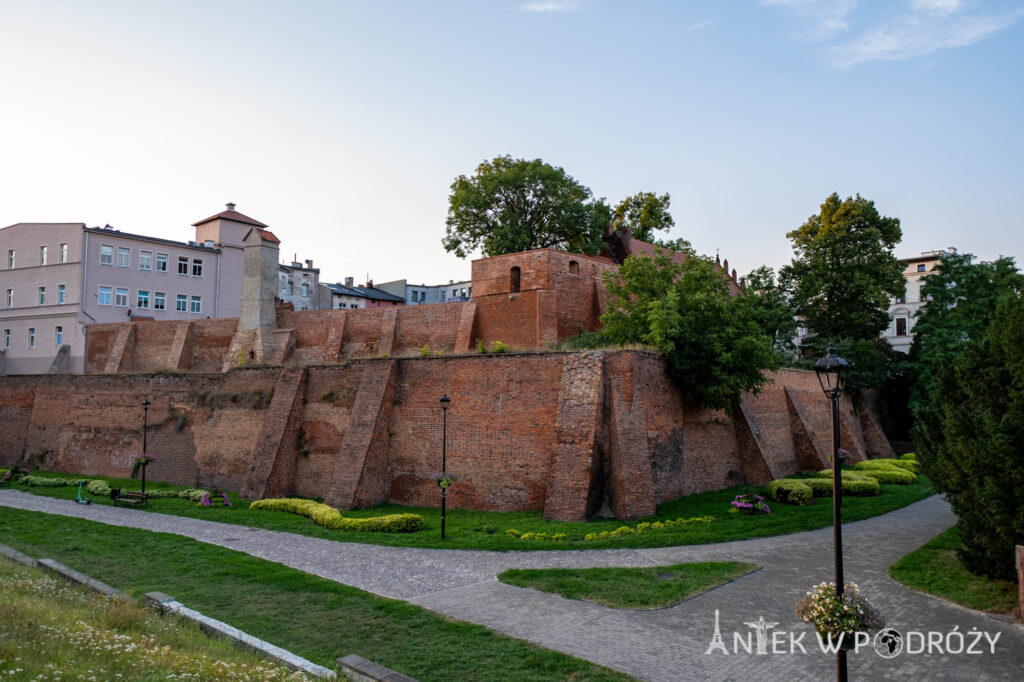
x=574 y=267
x=513 y=280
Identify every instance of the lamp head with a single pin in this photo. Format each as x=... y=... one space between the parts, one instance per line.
x=445 y=401
x=832 y=373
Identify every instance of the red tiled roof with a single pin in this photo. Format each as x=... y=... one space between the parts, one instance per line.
x=268 y=236
x=232 y=215
x=647 y=249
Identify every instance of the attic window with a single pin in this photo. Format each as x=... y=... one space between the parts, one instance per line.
x=574 y=267
x=513 y=280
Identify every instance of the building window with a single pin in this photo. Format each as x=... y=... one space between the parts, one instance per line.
x=104 y=295
x=31 y=337
x=142 y=301
x=9 y=298
x=415 y=296
x=7 y=339
x=469 y=292
x=197 y=267
x=106 y=254
x=513 y=280
x=197 y=304
x=291 y=287
x=183 y=265
x=574 y=267
x=121 y=298
x=901 y=299
x=42 y=255
x=42 y=295
x=181 y=303
x=62 y=253
x=58 y=336
x=145 y=260
x=305 y=289
x=62 y=293
x=921 y=267
x=10 y=259
x=901 y=326
x=283 y=280
x=124 y=257
x=159 y=300
x=161 y=262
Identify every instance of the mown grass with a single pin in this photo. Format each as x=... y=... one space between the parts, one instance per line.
x=52 y=629
x=313 y=617
x=935 y=568
x=486 y=530
x=650 y=587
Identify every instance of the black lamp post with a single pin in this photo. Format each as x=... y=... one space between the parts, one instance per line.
x=832 y=373
x=145 y=424
x=444 y=482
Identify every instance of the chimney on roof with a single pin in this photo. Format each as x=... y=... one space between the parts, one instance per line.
x=309 y=263
x=231 y=206
x=369 y=283
x=348 y=281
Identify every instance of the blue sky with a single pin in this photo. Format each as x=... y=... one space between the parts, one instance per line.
x=343 y=124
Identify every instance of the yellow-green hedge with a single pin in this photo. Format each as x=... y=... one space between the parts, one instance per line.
x=790 y=491
x=855 y=483
x=329 y=517
x=882 y=464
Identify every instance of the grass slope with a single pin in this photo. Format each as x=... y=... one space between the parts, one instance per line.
x=651 y=587
x=936 y=569
x=313 y=617
x=486 y=530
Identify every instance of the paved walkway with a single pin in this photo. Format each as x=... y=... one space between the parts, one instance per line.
x=669 y=644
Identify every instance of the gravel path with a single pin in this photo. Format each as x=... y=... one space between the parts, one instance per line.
x=669 y=644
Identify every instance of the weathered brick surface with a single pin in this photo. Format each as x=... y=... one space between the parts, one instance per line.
x=272 y=466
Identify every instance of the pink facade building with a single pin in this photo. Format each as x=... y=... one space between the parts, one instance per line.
x=56 y=278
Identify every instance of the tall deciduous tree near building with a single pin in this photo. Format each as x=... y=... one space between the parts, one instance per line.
x=643 y=214
x=512 y=205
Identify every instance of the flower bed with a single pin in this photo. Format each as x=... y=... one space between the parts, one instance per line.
x=749 y=503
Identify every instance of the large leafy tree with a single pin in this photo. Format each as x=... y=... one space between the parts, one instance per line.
x=843 y=273
x=771 y=309
x=711 y=340
x=643 y=214
x=512 y=205
x=976 y=437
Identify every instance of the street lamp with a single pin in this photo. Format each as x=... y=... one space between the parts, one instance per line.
x=832 y=373
x=145 y=424
x=445 y=481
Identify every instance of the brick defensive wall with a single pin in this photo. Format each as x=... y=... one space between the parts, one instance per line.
x=567 y=433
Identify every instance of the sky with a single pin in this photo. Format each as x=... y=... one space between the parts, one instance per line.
x=342 y=124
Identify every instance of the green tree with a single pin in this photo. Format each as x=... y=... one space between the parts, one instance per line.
x=843 y=272
x=714 y=348
x=771 y=310
x=974 y=453
x=643 y=214
x=512 y=205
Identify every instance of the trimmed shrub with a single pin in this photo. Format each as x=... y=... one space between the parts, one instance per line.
x=790 y=491
x=98 y=487
x=46 y=482
x=892 y=476
x=876 y=464
x=855 y=483
x=908 y=457
x=329 y=517
x=820 y=487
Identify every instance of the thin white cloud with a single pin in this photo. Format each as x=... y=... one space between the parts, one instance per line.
x=698 y=25
x=930 y=26
x=820 y=19
x=551 y=6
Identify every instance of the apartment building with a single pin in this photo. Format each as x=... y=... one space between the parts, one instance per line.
x=347 y=296
x=902 y=310
x=418 y=294
x=55 y=278
x=299 y=285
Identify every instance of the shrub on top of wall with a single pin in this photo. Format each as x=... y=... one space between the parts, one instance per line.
x=329 y=517
x=790 y=491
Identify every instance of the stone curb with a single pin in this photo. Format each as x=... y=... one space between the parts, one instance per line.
x=15 y=555
x=60 y=569
x=362 y=670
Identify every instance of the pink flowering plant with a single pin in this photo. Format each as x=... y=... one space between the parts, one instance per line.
x=749 y=503
x=833 y=614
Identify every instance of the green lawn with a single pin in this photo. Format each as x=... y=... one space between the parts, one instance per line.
x=52 y=629
x=486 y=530
x=935 y=569
x=651 y=587
x=313 y=617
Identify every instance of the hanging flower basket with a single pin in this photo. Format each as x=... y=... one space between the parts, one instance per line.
x=142 y=460
x=833 y=615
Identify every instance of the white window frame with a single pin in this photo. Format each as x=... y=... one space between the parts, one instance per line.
x=62 y=253
x=7 y=339
x=161 y=259
x=109 y=294
x=42 y=296
x=183 y=265
x=125 y=262
x=197 y=267
x=161 y=298
x=142 y=299
x=181 y=303
x=108 y=251
x=31 y=337
x=195 y=305
x=58 y=336
x=9 y=298
x=119 y=296
x=145 y=260
x=42 y=255
x=62 y=294
x=11 y=254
